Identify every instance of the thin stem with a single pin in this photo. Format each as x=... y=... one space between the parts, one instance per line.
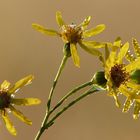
x=70 y=93
x=61 y=67
x=92 y=90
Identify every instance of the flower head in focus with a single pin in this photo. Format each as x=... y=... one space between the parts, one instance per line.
x=8 y=102
x=117 y=72
x=73 y=34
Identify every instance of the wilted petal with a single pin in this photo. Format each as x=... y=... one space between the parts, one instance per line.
x=75 y=55
x=9 y=125
x=123 y=52
x=44 y=30
x=59 y=19
x=5 y=85
x=26 y=101
x=94 y=31
x=19 y=115
x=23 y=82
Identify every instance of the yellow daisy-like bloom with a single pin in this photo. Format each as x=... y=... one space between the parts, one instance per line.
x=117 y=73
x=8 y=102
x=75 y=34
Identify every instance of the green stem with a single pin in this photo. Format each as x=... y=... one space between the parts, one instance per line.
x=70 y=93
x=92 y=90
x=61 y=67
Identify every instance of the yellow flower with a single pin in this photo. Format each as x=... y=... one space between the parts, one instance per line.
x=8 y=102
x=75 y=34
x=117 y=72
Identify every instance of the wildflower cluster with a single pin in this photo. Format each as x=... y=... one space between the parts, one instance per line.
x=120 y=73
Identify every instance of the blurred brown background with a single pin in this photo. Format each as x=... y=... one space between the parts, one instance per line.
x=25 y=51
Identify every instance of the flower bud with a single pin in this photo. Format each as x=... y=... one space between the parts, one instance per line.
x=66 y=50
x=99 y=79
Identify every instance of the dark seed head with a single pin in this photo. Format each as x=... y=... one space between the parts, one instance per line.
x=4 y=100
x=118 y=75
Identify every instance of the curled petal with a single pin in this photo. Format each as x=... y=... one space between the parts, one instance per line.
x=75 y=55
x=23 y=82
x=5 y=85
x=59 y=19
x=19 y=115
x=26 y=101
x=44 y=30
x=94 y=31
x=9 y=125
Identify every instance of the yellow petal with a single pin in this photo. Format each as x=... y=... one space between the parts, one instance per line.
x=136 y=110
x=136 y=47
x=9 y=125
x=59 y=19
x=23 y=82
x=111 y=59
x=90 y=49
x=117 y=42
x=19 y=115
x=124 y=90
x=116 y=100
x=127 y=105
x=5 y=85
x=129 y=57
x=26 y=101
x=44 y=30
x=85 y=23
x=93 y=44
x=133 y=85
x=122 y=52
x=133 y=65
x=106 y=52
x=74 y=54
x=94 y=31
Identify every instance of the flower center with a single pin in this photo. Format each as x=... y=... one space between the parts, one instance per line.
x=71 y=33
x=4 y=100
x=118 y=75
